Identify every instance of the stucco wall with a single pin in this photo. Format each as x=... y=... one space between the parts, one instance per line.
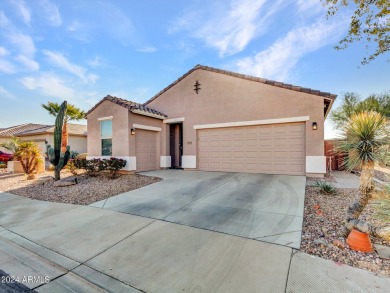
x=145 y=121
x=120 y=129
x=224 y=98
x=76 y=143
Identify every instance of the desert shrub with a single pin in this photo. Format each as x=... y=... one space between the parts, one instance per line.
x=3 y=166
x=73 y=154
x=114 y=165
x=325 y=187
x=94 y=166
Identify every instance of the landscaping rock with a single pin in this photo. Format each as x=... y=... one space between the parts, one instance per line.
x=320 y=241
x=383 y=251
x=63 y=183
x=334 y=208
x=340 y=244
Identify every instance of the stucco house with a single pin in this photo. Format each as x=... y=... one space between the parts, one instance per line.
x=216 y=120
x=44 y=134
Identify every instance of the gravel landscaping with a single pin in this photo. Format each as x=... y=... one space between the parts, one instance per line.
x=323 y=216
x=87 y=191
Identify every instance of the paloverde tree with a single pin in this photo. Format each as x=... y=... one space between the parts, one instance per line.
x=72 y=113
x=370 y=23
x=352 y=104
x=364 y=136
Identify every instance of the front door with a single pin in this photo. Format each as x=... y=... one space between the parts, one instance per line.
x=176 y=144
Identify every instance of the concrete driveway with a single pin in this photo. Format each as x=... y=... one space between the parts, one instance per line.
x=256 y=206
x=52 y=247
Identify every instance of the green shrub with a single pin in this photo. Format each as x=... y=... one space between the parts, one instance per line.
x=325 y=187
x=3 y=166
x=114 y=165
x=95 y=166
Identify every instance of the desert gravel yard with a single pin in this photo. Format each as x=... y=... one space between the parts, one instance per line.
x=323 y=215
x=87 y=191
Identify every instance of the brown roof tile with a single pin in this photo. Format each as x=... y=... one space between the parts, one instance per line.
x=73 y=129
x=15 y=130
x=131 y=106
x=247 y=77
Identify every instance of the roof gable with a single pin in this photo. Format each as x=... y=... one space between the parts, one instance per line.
x=329 y=98
x=136 y=108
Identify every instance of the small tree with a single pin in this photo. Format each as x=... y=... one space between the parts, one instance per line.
x=370 y=23
x=28 y=154
x=352 y=104
x=364 y=137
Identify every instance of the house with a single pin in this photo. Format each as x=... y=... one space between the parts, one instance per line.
x=216 y=120
x=44 y=135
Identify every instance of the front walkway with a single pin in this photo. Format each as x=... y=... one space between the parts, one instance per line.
x=345 y=179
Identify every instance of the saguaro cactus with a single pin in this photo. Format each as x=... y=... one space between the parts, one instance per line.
x=56 y=156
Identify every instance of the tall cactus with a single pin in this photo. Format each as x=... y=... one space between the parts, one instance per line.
x=57 y=156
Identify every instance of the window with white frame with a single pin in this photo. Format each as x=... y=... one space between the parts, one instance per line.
x=106 y=137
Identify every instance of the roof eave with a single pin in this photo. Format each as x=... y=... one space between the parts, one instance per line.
x=140 y=112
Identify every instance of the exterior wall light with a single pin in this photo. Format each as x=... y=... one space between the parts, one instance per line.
x=314 y=125
x=133 y=131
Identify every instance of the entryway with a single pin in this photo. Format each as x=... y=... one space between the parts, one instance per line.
x=176 y=144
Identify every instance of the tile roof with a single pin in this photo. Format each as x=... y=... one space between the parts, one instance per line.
x=131 y=106
x=247 y=77
x=73 y=129
x=14 y=130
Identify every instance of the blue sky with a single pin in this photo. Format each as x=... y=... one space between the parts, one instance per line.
x=51 y=50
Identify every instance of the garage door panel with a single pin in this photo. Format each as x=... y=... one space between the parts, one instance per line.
x=275 y=149
x=146 y=150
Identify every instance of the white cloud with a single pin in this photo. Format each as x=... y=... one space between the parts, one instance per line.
x=49 y=85
x=25 y=13
x=147 y=49
x=30 y=64
x=61 y=61
x=24 y=43
x=230 y=27
x=6 y=94
x=309 y=6
x=51 y=12
x=279 y=59
x=7 y=67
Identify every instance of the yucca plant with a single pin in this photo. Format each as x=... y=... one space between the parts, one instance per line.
x=325 y=187
x=365 y=135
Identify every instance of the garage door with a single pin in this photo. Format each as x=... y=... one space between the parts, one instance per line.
x=270 y=149
x=146 y=150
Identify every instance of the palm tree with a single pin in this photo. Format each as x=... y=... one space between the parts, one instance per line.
x=365 y=135
x=11 y=145
x=28 y=154
x=72 y=113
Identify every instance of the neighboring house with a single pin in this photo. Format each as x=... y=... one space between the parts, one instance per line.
x=44 y=135
x=216 y=120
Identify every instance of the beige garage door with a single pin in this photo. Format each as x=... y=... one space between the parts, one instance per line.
x=269 y=149
x=146 y=150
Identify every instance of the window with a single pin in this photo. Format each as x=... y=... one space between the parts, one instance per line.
x=106 y=137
